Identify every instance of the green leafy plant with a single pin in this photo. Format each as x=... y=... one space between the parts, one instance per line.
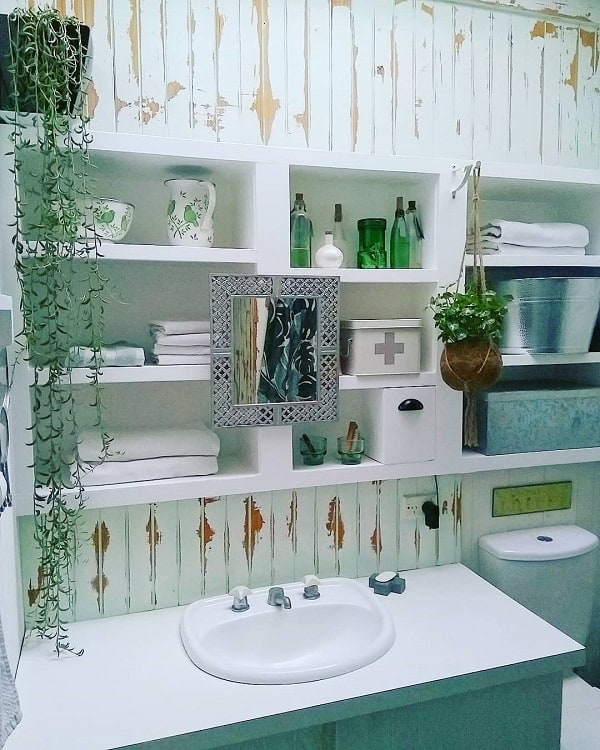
x=473 y=314
x=62 y=287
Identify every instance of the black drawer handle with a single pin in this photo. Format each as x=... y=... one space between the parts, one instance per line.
x=410 y=404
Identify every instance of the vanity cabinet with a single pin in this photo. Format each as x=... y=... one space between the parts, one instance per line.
x=150 y=279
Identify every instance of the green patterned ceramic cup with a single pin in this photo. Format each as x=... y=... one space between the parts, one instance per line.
x=112 y=218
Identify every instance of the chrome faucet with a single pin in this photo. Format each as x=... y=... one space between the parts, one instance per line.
x=277 y=598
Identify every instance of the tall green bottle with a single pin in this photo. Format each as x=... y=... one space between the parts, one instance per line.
x=300 y=234
x=399 y=241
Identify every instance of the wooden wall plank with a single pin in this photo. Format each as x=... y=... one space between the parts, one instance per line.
x=296 y=70
x=363 y=69
x=327 y=530
x=229 y=120
x=127 y=62
x=382 y=74
x=191 y=536
x=204 y=30
x=152 y=19
x=346 y=532
x=551 y=91
x=403 y=100
x=483 y=46
x=319 y=74
x=284 y=535
x=343 y=79
x=215 y=546
x=178 y=70
x=249 y=72
x=588 y=101
x=423 y=76
x=278 y=50
x=568 y=95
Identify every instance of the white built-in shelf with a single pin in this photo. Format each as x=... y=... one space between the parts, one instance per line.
x=498 y=260
x=145 y=374
x=374 y=275
x=516 y=360
x=176 y=253
x=367 y=382
x=473 y=461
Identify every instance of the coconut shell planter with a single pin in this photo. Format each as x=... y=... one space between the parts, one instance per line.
x=470 y=365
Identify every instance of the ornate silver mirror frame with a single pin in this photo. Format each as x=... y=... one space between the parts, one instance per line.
x=225 y=291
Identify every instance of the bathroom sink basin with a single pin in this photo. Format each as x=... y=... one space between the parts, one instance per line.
x=344 y=629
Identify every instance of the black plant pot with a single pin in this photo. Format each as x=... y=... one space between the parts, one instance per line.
x=77 y=35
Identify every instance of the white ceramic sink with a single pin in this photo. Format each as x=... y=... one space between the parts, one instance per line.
x=344 y=629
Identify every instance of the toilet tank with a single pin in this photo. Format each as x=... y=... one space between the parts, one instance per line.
x=549 y=570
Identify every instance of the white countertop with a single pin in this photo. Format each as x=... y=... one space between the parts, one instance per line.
x=135 y=683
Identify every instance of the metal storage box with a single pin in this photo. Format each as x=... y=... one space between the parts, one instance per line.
x=525 y=417
x=380 y=347
x=399 y=424
x=552 y=314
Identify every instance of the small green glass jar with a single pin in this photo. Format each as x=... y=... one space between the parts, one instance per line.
x=371 y=243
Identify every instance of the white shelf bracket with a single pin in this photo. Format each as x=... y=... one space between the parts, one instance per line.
x=466 y=172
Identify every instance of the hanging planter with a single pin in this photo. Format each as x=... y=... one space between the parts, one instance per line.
x=469 y=324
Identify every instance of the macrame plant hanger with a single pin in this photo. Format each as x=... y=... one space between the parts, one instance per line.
x=470 y=388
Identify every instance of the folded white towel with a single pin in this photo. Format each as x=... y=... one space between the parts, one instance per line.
x=180 y=359
x=549 y=234
x=150 y=469
x=179 y=326
x=490 y=245
x=120 y=354
x=184 y=339
x=185 y=350
x=129 y=445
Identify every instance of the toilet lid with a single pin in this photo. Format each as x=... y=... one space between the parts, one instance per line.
x=545 y=543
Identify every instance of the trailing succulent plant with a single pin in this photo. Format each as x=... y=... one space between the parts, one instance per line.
x=62 y=287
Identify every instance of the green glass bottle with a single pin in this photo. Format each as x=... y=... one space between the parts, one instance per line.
x=300 y=234
x=399 y=242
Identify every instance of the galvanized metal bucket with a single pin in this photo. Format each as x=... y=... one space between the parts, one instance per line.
x=549 y=314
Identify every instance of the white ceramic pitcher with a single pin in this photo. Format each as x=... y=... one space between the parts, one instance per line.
x=190 y=212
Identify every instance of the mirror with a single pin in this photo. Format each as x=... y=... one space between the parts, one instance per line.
x=274 y=349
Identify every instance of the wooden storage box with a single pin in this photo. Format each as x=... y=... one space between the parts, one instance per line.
x=525 y=417
x=380 y=347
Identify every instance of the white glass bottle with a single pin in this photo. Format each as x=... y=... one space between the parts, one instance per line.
x=339 y=238
x=328 y=255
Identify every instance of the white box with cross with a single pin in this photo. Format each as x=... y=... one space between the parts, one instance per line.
x=380 y=347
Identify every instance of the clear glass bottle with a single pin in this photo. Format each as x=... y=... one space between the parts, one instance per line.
x=328 y=255
x=399 y=241
x=415 y=236
x=301 y=232
x=339 y=237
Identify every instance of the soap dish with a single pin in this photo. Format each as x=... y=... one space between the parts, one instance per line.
x=386 y=583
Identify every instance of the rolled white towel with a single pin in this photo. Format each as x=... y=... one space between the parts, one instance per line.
x=185 y=350
x=129 y=445
x=179 y=326
x=545 y=234
x=150 y=469
x=120 y=354
x=184 y=339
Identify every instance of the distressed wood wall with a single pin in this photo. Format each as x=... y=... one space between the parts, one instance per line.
x=147 y=556
x=474 y=79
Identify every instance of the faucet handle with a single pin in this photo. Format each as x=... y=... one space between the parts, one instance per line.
x=240 y=598
x=311 y=586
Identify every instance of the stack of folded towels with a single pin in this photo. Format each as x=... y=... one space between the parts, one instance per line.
x=518 y=237
x=137 y=454
x=180 y=342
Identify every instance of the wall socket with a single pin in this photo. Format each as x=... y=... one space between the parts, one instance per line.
x=411 y=504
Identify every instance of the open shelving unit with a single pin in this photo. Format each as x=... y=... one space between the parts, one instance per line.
x=254 y=187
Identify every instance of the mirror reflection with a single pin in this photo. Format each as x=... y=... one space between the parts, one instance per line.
x=274 y=349
x=274 y=357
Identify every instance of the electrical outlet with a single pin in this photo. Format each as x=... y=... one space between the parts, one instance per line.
x=412 y=504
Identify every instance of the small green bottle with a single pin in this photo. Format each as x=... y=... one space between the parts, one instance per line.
x=300 y=234
x=399 y=242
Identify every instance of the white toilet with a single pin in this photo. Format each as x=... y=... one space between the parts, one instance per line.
x=551 y=571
